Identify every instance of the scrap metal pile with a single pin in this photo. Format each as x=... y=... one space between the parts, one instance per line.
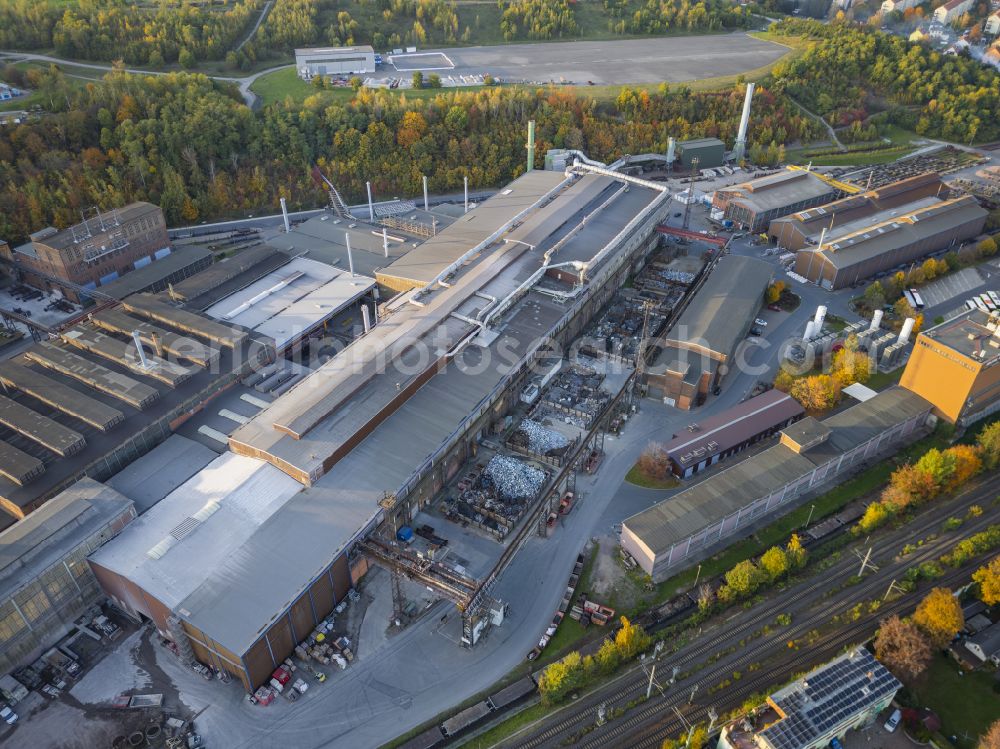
x=575 y=397
x=495 y=496
x=512 y=479
x=538 y=439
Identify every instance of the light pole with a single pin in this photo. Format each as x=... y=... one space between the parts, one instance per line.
x=809 y=519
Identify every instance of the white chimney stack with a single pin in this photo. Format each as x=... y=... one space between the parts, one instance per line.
x=365 y=319
x=284 y=215
x=426 y=208
x=671 y=150
x=466 y=181
x=810 y=330
x=904 y=334
x=350 y=258
x=741 y=135
x=819 y=318
x=371 y=208
x=876 y=320
x=385 y=242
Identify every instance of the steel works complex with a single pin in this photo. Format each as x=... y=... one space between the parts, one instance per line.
x=178 y=391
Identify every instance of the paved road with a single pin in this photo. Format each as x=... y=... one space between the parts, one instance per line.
x=244 y=82
x=672 y=58
x=810 y=605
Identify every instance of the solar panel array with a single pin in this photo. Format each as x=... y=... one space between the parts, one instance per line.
x=827 y=698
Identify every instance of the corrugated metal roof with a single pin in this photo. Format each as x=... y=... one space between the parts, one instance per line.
x=707 y=502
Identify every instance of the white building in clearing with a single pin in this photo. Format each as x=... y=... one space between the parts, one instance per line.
x=952 y=10
x=312 y=61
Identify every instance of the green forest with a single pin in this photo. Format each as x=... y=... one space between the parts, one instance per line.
x=191 y=145
x=166 y=32
x=851 y=73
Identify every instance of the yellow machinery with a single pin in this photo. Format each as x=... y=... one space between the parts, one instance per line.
x=847 y=187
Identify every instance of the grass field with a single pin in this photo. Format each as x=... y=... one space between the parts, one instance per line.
x=285 y=83
x=639 y=478
x=966 y=703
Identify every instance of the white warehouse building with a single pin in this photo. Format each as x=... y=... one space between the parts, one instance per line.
x=312 y=61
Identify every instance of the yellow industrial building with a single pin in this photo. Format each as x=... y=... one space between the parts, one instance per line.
x=956 y=366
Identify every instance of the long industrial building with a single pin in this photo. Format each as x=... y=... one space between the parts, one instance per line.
x=371 y=435
x=697 y=349
x=703 y=444
x=754 y=205
x=956 y=366
x=90 y=402
x=45 y=581
x=693 y=523
x=876 y=236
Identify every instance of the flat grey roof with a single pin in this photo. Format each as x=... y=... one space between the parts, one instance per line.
x=155 y=308
x=908 y=228
x=972 y=333
x=50 y=434
x=539 y=226
x=780 y=190
x=59 y=396
x=156 y=474
x=255 y=583
x=230 y=274
x=423 y=264
x=806 y=430
x=173 y=547
x=125 y=353
x=718 y=313
x=17 y=465
x=131 y=212
x=50 y=533
x=723 y=493
x=183 y=346
x=154 y=275
x=108 y=381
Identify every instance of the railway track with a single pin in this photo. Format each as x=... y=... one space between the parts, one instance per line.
x=806 y=618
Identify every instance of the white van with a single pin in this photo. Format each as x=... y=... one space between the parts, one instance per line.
x=893 y=722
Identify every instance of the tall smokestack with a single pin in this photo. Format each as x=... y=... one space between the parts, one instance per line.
x=365 y=319
x=904 y=334
x=350 y=258
x=465 y=180
x=810 y=330
x=531 y=145
x=371 y=208
x=819 y=318
x=426 y=207
x=385 y=242
x=741 y=135
x=876 y=320
x=671 y=150
x=284 y=215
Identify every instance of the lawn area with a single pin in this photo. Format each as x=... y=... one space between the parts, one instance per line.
x=639 y=478
x=285 y=82
x=507 y=727
x=854 y=158
x=965 y=703
x=882 y=380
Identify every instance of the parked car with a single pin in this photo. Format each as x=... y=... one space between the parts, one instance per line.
x=893 y=722
x=8 y=715
x=774 y=308
x=835 y=743
x=761 y=322
x=756 y=332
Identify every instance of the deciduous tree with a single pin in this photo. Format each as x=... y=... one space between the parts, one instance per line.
x=939 y=615
x=902 y=647
x=988 y=578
